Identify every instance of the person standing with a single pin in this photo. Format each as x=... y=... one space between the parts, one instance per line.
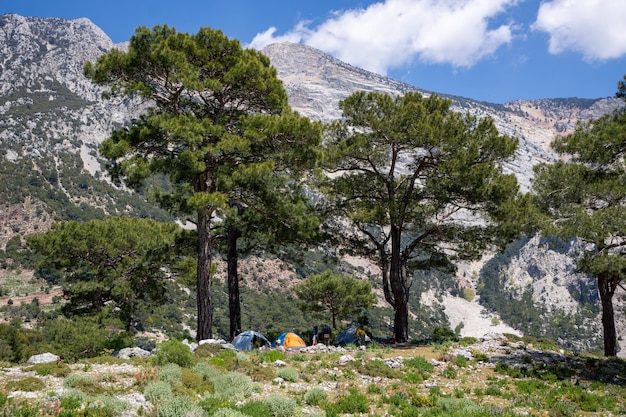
x=314 y=335
x=326 y=334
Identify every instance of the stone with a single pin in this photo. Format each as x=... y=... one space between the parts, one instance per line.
x=43 y=358
x=133 y=352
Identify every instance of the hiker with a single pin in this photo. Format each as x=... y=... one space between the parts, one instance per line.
x=326 y=334
x=360 y=335
x=314 y=335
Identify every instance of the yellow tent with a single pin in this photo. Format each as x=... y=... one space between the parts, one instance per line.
x=288 y=340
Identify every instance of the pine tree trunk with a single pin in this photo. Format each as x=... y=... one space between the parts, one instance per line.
x=399 y=289
x=234 y=306
x=205 y=313
x=606 y=288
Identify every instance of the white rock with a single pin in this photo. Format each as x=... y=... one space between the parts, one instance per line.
x=43 y=358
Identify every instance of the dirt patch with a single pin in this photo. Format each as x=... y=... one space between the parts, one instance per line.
x=44 y=298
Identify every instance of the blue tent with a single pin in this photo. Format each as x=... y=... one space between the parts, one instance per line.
x=249 y=340
x=348 y=336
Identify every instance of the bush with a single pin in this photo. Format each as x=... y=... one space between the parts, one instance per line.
x=315 y=396
x=179 y=406
x=444 y=334
x=256 y=409
x=84 y=383
x=229 y=412
x=29 y=383
x=205 y=371
x=233 y=385
x=170 y=373
x=378 y=368
x=174 y=351
x=288 y=374
x=461 y=361
x=352 y=403
x=468 y=294
x=272 y=356
x=57 y=369
x=78 y=338
x=281 y=406
x=420 y=364
x=207 y=350
x=157 y=391
x=194 y=382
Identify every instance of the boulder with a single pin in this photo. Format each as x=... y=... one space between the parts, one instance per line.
x=43 y=358
x=128 y=353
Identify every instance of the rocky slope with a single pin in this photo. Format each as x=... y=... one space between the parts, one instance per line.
x=49 y=111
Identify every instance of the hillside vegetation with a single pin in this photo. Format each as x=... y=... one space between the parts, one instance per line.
x=499 y=376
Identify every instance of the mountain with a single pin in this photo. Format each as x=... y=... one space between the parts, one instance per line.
x=52 y=120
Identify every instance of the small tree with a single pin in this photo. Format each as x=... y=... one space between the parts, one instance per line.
x=115 y=260
x=340 y=296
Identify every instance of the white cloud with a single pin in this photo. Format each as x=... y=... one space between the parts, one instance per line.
x=395 y=32
x=595 y=28
x=265 y=38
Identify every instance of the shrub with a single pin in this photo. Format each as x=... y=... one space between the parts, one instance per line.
x=272 y=356
x=110 y=405
x=449 y=372
x=174 y=351
x=157 y=391
x=256 y=409
x=352 y=403
x=72 y=399
x=29 y=383
x=374 y=389
x=233 y=385
x=444 y=334
x=211 y=404
x=79 y=338
x=413 y=378
x=378 y=368
x=456 y=405
x=315 y=396
x=229 y=412
x=179 y=406
x=419 y=363
x=205 y=371
x=288 y=374
x=194 y=382
x=170 y=373
x=480 y=356
x=84 y=383
x=460 y=361
x=207 y=350
x=468 y=294
x=281 y=406
x=14 y=345
x=467 y=341
x=56 y=369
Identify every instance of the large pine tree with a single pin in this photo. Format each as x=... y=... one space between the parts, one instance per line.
x=217 y=123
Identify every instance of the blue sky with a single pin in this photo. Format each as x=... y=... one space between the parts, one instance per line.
x=491 y=50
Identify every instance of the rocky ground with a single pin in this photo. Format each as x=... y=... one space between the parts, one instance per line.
x=335 y=370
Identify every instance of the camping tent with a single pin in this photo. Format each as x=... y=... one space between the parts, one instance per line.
x=249 y=340
x=348 y=336
x=289 y=340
